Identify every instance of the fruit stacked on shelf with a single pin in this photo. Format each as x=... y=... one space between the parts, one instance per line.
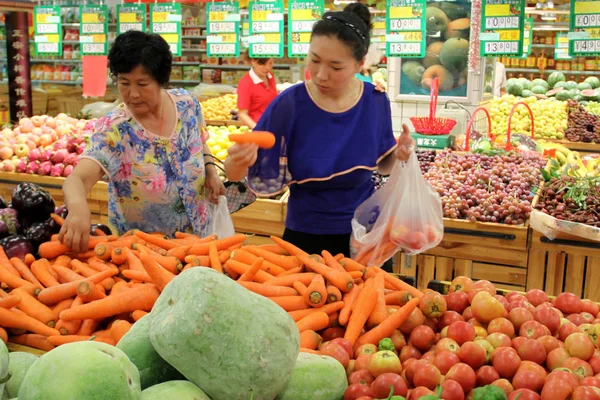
x=222 y=108
x=593 y=107
x=485 y=188
x=44 y=145
x=556 y=86
x=582 y=126
x=570 y=163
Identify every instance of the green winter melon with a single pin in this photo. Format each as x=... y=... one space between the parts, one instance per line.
x=20 y=362
x=136 y=344
x=180 y=390
x=223 y=338
x=84 y=370
x=4 y=366
x=554 y=78
x=315 y=377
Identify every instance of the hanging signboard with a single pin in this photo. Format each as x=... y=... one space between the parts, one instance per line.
x=561 y=48
x=48 y=30
x=223 y=29
x=245 y=30
x=93 y=29
x=378 y=32
x=405 y=28
x=266 y=29
x=584 y=32
x=131 y=17
x=502 y=27
x=18 y=68
x=302 y=16
x=165 y=20
x=527 y=37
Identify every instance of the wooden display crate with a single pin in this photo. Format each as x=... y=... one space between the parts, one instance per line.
x=581 y=147
x=97 y=199
x=214 y=122
x=566 y=264
x=263 y=217
x=480 y=250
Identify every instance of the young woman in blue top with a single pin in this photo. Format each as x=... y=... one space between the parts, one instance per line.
x=331 y=131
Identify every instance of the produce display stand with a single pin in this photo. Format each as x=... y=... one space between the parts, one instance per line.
x=581 y=147
x=264 y=217
x=215 y=122
x=13 y=347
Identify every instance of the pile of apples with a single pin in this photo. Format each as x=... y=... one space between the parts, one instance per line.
x=528 y=345
x=44 y=145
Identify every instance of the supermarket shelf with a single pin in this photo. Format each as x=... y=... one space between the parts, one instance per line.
x=193 y=50
x=542 y=46
x=549 y=71
x=72 y=83
x=193 y=37
x=554 y=27
x=186 y=63
x=239 y=67
x=184 y=82
x=39 y=61
x=193 y=26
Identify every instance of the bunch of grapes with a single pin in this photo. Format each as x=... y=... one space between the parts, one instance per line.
x=484 y=188
x=571 y=199
x=426 y=158
x=582 y=126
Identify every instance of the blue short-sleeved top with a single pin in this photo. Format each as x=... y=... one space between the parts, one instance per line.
x=155 y=183
x=326 y=158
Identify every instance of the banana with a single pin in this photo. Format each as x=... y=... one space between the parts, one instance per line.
x=561 y=158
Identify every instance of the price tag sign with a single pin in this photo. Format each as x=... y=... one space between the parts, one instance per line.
x=131 y=17
x=585 y=20
x=507 y=18
x=266 y=29
x=561 y=48
x=93 y=29
x=245 y=31
x=405 y=28
x=48 y=30
x=223 y=29
x=165 y=20
x=527 y=37
x=302 y=15
x=378 y=33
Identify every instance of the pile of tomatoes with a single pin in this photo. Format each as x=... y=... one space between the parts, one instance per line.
x=526 y=344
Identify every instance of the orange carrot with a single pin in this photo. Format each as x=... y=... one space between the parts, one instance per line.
x=310 y=351
x=364 y=305
x=32 y=307
x=333 y=294
x=70 y=327
x=285 y=262
x=10 y=301
x=89 y=292
x=118 y=255
x=52 y=249
x=171 y=264
x=160 y=276
x=120 y=287
x=292 y=271
x=246 y=257
x=29 y=259
x=103 y=251
x=88 y=326
x=333 y=320
x=54 y=294
x=213 y=253
x=86 y=255
x=397 y=298
x=62 y=261
x=331 y=262
x=240 y=268
x=68 y=275
x=389 y=325
x=316 y=292
x=58 y=219
x=65 y=339
x=86 y=271
x=141 y=297
x=290 y=303
x=138 y=314
x=315 y=322
x=3 y=335
x=342 y=280
x=198 y=260
x=310 y=339
x=288 y=280
x=5 y=262
x=60 y=307
x=274 y=248
x=400 y=284
x=100 y=265
x=268 y=291
x=339 y=257
x=41 y=270
x=155 y=240
x=33 y=340
x=10 y=279
x=351 y=265
x=119 y=328
x=201 y=249
x=301 y=288
x=327 y=309
x=379 y=313
x=24 y=271
x=263 y=139
x=250 y=273
x=349 y=299
x=179 y=252
x=12 y=319
x=141 y=276
x=287 y=246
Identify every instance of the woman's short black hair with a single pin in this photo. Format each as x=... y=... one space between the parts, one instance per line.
x=135 y=48
x=352 y=26
x=259 y=60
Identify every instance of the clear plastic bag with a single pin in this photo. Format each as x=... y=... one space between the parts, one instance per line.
x=220 y=222
x=405 y=214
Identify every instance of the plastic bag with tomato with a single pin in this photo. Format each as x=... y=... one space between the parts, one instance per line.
x=405 y=214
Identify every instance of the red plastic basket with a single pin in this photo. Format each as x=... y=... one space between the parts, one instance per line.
x=431 y=125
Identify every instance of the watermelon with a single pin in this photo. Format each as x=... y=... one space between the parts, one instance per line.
x=578 y=97
x=526 y=93
x=538 y=89
x=584 y=86
x=590 y=94
x=593 y=81
x=563 y=95
x=512 y=80
x=514 y=88
x=540 y=82
x=553 y=92
x=556 y=77
x=571 y=85
x=560 y=85
x=526 y=83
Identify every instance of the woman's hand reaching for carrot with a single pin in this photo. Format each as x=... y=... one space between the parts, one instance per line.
x=75 y=232
x=406 y=144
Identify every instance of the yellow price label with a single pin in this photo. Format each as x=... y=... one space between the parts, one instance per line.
x=89 y=18
x=260 y=15
x=53 y=38
x=413 y=36
x=228 y=38
x=594 y=33
x=272 y=37
x=128 y=17
x=401 y=12
x=159 y=17
x=510 y=35
x=217 y=16
x=99 y=38
x=170 y=37
x=587 y=7
x=41 y=18
x=379 y=25
x=497 y=10
x=563 y=40
x=302 y=15
x=305 y=37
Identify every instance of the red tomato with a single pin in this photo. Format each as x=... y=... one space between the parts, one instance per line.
x=461 y=284
x=444 y=360
x=367 y=348
x=566 y=329
x=450 y=316
x=362 y=362
x=461 y=332
x=486 y=375
x=556 y=358
x=512 y=296
x=365 y=398
x=528 y=380
x=464 y=375
x=579 y=345
x=556 y=390
x=415 y=319
x=356 y=390
x=487 y=347
x=579 y=367
x=536 y=297
x=486 y=286
x=587 y=317
x=547 y=317
x=595 y=364
x=422 y=337
x=576 y=319
x=427 y=375
x=506 y=363
x=533 y=367
x=549 y=342
x=518 y=342
x=350 y=368
x=433 y=305
x=346 y=345
x=501 y=325
x=457 y=301
x=531 y=330
x=411 y=369
x=447 y=344
x=568 y=303
x=472 y=354
x=505 y=385
x=486 y=307
x=384 y=361
x=336 y=351
x=332 y=333
x=502 y=300
x=381 y=386
x=532 y=350
x=409 y=352
x=398 y=339
x=590 y=307
x=524 y=394
x=518 y=316
x=586 y=393
x=591 y=381
x=452 y=390
x=468 y=313
x=563 y=375
x=432 y=323
x=429 y=356
x=419 y=392
x=498 y=339
x=364 y=377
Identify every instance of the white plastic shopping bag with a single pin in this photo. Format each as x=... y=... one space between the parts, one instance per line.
x=405 y=214
x=220 y=222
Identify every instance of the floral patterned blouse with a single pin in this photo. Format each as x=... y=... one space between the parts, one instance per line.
x=156 y=184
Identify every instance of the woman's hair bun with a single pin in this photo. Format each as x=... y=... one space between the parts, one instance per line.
x=362 y=12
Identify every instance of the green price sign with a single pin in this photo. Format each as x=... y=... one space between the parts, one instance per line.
x=48 y=30
x=502 y=28
x=527 y=36
x=223 y=26
x=301 y=17
x=245 y=30
x=131 y=17
x=93 y=30
x=561 y=48
x=165 y=20
x=584 y=32
x=378 y=32
x=266 y=29
x=405 y=28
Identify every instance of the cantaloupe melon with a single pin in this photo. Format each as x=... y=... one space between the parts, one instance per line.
x=437 y=21
x=459 y=28
x=413 y=70
x=432 y=55
x=445 y=78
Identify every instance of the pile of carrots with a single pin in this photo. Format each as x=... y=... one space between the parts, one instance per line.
x=64 y=297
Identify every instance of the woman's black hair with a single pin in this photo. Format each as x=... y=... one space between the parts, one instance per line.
x=135 y=48
x=352 y=26
x=259 y=60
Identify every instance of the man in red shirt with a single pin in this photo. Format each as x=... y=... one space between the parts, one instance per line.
x=255 y=91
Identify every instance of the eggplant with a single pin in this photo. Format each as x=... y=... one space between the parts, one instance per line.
x=32 y=202
x=16 y=246
x=102 y=227
x=41 y=232
x=61 y=211
x=9 y=222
